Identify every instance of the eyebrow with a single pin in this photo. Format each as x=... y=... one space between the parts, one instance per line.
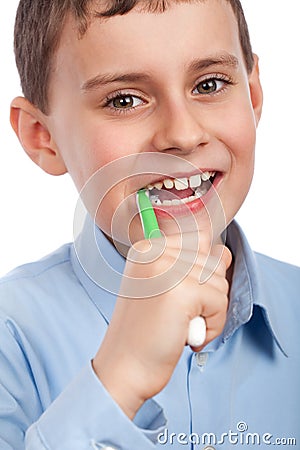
x=224 y=59
x=103 y=79
x=100 y=80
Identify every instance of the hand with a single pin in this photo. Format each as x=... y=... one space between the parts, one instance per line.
x=146 y=336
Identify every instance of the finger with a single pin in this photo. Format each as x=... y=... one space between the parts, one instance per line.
x=226 y=257
x=198 y=266
x=194 y=241
x=223 y=255
x=214 y=314
x=212 y=302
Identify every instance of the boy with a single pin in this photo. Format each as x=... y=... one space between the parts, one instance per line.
x=108 y=86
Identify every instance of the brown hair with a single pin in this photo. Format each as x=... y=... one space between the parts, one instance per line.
x=39 y=25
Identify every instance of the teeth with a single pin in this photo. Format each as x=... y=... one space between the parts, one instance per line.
x=199 y=192
x=168 y=183
x=181 y=184
x=188 y=199
x=195 y=180
x=158 y=185
x=205 y=176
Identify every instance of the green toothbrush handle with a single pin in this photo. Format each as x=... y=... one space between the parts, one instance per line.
x=148 y=217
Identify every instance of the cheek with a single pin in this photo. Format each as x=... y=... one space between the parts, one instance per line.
x=88 y=145
x=242 y=128
x=107 y=168
x=108 y=143
x=239 y=136
x=242 y=141
x=90 y=149
x=238 y=133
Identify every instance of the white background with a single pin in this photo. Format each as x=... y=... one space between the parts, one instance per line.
x=37 y=209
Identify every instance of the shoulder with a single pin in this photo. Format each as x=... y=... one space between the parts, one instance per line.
x=31 y=286
x=279 y=294
x=276 y=271
x=280 y=290
x=36 y=269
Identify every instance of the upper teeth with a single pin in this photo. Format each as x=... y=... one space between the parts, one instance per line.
x=168 y=183
x=180 y=184
x=195 y=181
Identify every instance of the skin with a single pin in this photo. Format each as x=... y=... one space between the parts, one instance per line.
x=171 y=115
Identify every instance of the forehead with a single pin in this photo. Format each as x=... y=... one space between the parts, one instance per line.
x=122 y=7
x=144 y=40
x=103 y=10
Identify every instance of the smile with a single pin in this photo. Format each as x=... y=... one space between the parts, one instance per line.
x=177 y=191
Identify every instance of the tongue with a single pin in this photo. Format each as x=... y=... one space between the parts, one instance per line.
x=172 y=194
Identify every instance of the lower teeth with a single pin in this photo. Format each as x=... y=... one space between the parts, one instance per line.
x=199 y=192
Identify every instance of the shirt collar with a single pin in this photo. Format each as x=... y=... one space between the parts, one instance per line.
x=99 y=268
x=248 y=290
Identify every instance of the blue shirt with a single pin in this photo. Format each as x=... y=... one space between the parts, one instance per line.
x=243 y=389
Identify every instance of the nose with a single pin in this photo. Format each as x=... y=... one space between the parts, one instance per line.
x=180 y=128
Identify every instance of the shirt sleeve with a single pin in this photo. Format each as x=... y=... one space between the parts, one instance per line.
x=83 y=416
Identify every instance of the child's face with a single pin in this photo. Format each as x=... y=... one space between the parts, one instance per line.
x=172 y=83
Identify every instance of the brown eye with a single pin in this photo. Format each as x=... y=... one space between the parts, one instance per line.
x=212 y=86
x=207 y=87
x=125 y=102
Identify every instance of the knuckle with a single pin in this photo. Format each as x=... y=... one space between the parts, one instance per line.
x=146 y=251
x=224 y=296
x=227 y=257
x=225 y=285
x=222 y=305
x=139 y=247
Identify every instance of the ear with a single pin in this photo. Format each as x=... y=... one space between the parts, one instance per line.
x=256 y=92
x=29 y=124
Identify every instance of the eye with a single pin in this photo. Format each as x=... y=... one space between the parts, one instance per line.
x=124 y=101
x=211 y=86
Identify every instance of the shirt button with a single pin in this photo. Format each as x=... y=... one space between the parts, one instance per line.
x=201 y=359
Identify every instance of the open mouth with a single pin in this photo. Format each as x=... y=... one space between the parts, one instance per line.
x=177 y=191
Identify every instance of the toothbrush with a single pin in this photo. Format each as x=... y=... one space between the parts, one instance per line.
x=197 y=326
